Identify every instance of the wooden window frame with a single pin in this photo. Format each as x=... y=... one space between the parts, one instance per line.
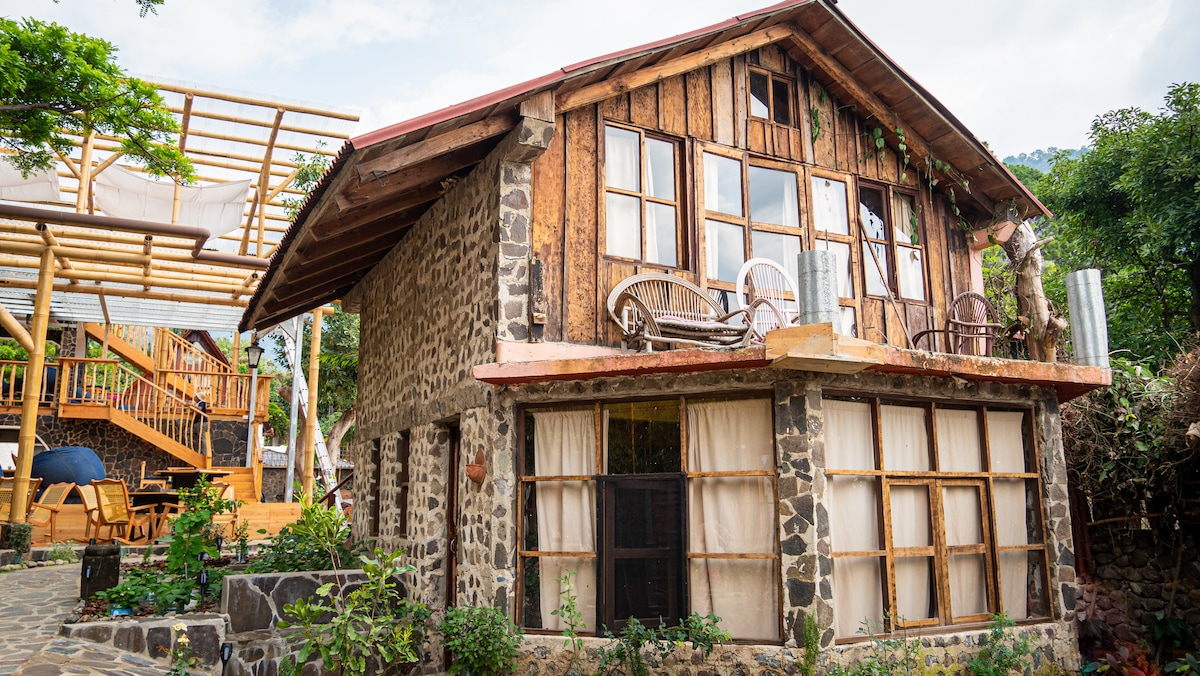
x=851 y=239
x=772 y=77
x=682 y=248
x=375 y=460
x=404 y=457
x=890 y=244
x=936 y=480
x=526 y=481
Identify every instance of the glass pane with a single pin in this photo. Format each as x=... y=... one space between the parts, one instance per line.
x=563 y=516
x=759 y=107
x=642 y=437
x=780 y=248
x=1006 y=440
x=916 y=590
x=722 y=184
x=910 y=516
x=645 y=541
x=910 y=273
x=781 y=92
x=1023 y=584
x=870 y=210
x=727 y=435
x=854 y=514
x=964 y=521
x=731 y=515
x=849 y=322
x=743 y=593
x=1016 y=508
x=857 y=596
x=829 y=206
x=849 y=442
x=845 y=279
x=904 y=219
x=725 y=249
x=543 y=591
x=958 y=440
x=622 y=162
x=560 y=442
x=622 y=225
x=876 y=268
x=660 y=234
x=660 y=169
x=968 y=585
x=773 y=197
x=905 y=439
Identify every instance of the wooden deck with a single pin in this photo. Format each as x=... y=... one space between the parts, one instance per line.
x=271 y=516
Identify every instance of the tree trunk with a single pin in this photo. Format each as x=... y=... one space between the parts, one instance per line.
x=338 y=430
x=1042 y=328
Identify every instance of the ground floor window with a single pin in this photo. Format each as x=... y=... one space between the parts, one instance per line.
x=935 y=514
x=663 y=508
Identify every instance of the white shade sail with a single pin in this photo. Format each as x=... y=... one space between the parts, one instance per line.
x=217 y=208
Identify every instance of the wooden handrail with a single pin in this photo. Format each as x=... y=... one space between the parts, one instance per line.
x=12 y=379
x=327 y=499
x=178 y=354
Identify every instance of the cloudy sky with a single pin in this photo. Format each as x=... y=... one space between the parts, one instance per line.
x=1021 y=74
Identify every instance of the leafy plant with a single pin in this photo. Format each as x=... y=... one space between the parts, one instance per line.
x=812 y=646
x=1001 y=651
x=897 y=654
x=181 y=658
x=20 y=535
x=572 y=618
x=315 y=541
x=625 y=650
x=241 y=538
x=372 y=626
x=1169 y=632
x=482 y=641
x=136 y=586
x=1186 y=666
x=61 y=551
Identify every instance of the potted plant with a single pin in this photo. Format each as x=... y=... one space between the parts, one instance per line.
x=20 y=535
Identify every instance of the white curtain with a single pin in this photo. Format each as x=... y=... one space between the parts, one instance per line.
x=848 y=438
x=905 y=439
x=1006 y=442
x=911 y=528
x=734 y=515
x=564 y=444
x=622 y=161
x=964 y=526
x=958 y=440
x=217 y=208
x=829 y=206
x=40 y=186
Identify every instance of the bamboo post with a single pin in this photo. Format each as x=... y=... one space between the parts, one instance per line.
x=33 y=385
x=310 y=432
x=85 y=174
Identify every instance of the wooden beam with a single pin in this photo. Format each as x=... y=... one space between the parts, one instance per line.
x=19 y=510
x=309 y=251
x=608 y=88
x=435 y=146
x=264 y=178
x=434 y=169
x=15 y=329
x=107 y=163
x=540 y=106
x=377 y=210
x=264 y=319
x=310 y=421
x=127 y=293
x=85 y=174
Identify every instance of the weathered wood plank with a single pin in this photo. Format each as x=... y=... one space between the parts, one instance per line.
x=824 y=154
x=699 y=105
x=756 y=136
x=643 y=106
x=579 y=263
x=615 y=108
x=672 y=105
x=722 y=101
x=740 y=101
x=549 y=235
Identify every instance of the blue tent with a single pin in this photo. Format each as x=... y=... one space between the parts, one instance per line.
x=74 y=464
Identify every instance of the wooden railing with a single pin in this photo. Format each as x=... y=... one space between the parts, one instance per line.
x=177 y=354
x=222 y=392
x=109 y=383
x=140 y=338
x=12 y=383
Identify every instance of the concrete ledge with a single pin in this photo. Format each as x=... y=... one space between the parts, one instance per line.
x=151 y=636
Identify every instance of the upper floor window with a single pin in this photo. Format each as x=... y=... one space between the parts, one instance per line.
x=893 y=251
x=831 y=229
x=642 y=215
x=771 y=96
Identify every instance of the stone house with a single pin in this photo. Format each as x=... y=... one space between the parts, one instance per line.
x=836 y=472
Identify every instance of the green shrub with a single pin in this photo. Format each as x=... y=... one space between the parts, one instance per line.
x=626 y=649
x=1001 y=651
x=315 y=541
x=482 y=641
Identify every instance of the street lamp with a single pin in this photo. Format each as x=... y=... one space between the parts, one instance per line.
x=253 y=355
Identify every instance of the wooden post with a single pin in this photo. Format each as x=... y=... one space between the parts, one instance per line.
x=33 y=385
x=310 y=422
x=85 y=174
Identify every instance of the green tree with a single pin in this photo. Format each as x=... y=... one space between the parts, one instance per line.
x=55 y=84
x=1129 y=206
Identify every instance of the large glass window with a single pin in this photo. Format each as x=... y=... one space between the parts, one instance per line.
x=675 y=496
x=893 y=252
x=831 y=230
x=936 y=519
x=641 y=200
x=771 y=96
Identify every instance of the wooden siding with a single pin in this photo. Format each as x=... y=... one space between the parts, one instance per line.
x=710 y=105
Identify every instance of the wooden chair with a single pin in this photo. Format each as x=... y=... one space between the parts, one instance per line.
x=144 y=483
x=124 y=521
x=971 y=326
x=91 y=508
x=6 y=498
x=766 y=280
x=660 y=308
x=45 y=510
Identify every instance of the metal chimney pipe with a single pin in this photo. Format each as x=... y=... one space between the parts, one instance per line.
x=1089 y=324
x=818 y=301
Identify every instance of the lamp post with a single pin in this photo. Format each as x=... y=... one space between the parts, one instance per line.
x=253 y=354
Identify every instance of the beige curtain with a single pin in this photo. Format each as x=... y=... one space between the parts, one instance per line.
x=911 y=528
x=905 y=440
x=564 y=444
x=849 y=443
x=733 y=515
x=1006 y=442
x=964 y=526
x=958 y=440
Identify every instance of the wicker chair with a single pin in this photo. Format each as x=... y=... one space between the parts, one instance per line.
x=91 y=508
x=660 y=308
x=6 y=498
x=45 y=510
x=768 y=281
x=971 y=326
x=126 y=524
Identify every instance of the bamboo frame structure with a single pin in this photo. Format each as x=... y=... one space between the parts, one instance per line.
x=310 y=422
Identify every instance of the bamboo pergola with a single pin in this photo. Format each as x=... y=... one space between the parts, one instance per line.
x=67 y=262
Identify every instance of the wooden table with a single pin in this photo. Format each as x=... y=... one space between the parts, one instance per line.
x=186 y=477
x=163 y=501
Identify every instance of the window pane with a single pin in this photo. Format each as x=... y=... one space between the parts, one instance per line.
x=622 y=225
x=958 y=440
x=905 y=439
x=543 y=591
x=722 y=184
x=727 y=435
x=848 y=439
x=904 y=219
x=773 y=197
x=758 y=95
x=622 y=162
x=660 y=234
x=910 y=273
x=743 y=593
x=1006 y=440
x=781 y=92
x=725 y=249
x=1022 y=584
x=910 y=516
x=731 y=515
x=857 y=596
x=845 y=279
x=916 y=590
x=870 y=210
x=642 y=437
x=780 y=248
x=875 y=268
x=565 y=513
x=660 y=169
x=1012 y=524
x=849 y=322
x=968 y=585
x=829 y=206
x=964 y=522
x=854 y=514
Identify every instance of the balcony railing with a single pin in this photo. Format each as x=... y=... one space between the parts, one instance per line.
x=12 y=383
